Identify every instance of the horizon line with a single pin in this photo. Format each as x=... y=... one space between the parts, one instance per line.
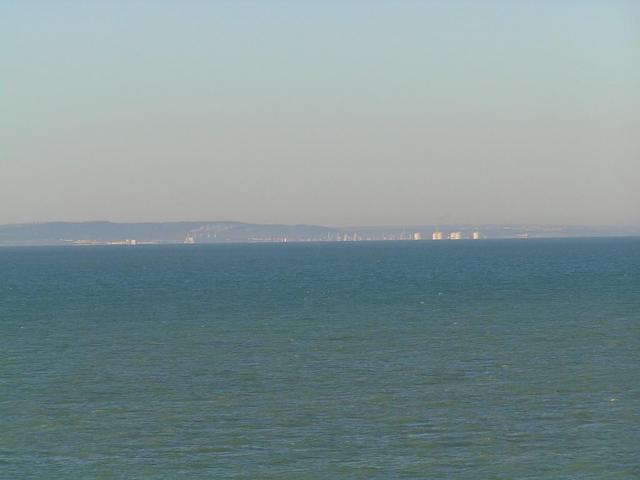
x=379 y=225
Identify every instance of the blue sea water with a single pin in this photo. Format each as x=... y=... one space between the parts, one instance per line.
x=515 y=359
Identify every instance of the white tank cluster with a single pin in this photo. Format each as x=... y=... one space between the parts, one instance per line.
x=438 y=235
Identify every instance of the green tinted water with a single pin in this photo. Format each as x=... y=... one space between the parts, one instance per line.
x=462 y=360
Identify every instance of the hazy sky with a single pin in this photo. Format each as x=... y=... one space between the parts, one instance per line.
x=327 y=112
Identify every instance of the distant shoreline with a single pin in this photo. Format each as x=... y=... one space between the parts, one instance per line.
x=172 y=233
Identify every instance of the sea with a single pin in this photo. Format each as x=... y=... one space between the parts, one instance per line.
x=489 y=359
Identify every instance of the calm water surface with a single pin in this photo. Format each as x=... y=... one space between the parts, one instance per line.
x=452 y=360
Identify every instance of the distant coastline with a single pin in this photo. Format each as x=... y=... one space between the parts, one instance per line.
x=130 y=234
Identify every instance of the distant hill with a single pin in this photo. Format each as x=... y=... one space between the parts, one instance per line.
x=64 y=233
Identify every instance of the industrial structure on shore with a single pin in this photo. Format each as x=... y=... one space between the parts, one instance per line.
x=456 y=235
x=347 y=235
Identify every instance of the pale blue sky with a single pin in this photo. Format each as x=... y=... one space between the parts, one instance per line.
x=327 y=112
